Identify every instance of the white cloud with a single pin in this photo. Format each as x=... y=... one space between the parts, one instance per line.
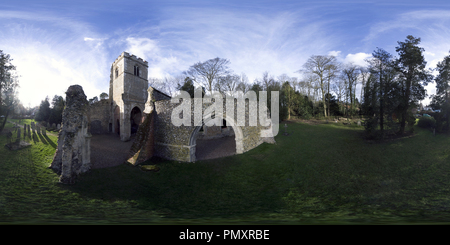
x=334 y=53
x=357 y=59
x=50 y=57
x=254 y=43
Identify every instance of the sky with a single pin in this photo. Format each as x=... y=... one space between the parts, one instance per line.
x=55 y=44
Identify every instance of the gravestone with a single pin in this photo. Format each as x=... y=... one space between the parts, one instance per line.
x=58 y=126
x=33 y=126
x=359 y=123
x=29 y=130
x=18 y=135
x=38 y=129
x=72 y=156
x=43 y=131
x=53 y=125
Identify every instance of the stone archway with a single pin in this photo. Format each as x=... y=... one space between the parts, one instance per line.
x=135 y=119
x=238 y=136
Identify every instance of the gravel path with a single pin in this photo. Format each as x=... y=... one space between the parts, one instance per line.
x=107 y=150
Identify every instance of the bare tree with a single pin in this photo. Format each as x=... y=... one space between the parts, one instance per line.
x=167 y=84
x=243 y=84
x=227 y=84
x=364 y=75
x=351 y=74
x=322 y=66
x=266 y=81
x=339 y=89
x=208 y=73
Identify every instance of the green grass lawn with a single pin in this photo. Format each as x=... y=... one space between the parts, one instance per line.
x=322 y=174
x=22 y=121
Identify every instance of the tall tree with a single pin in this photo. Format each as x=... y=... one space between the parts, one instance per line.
x=243 y=84
x=227 y=84
x=441 y=98
x=207 y=73
x=413 y=75
x=8 y=84
x=351 y=73
x=44 y=110
x=364 y=75
x=322 y=66
x=58 y=104
x=379 y=66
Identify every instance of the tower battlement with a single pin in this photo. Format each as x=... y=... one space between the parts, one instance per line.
x=132 y=57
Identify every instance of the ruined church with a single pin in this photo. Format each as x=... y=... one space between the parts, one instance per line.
x=136 y=109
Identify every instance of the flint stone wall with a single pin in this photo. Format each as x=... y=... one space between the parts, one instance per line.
x=72 y=156
x=179 y=142
x=99 y=116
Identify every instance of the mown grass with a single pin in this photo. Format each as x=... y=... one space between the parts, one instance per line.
x=318 y=174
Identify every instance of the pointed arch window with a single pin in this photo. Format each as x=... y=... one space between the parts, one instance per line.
x=117 y=72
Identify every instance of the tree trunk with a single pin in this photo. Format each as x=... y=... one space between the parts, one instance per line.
x=328 y=101
x=4 y=120
x=406 y=106
x=381 y=103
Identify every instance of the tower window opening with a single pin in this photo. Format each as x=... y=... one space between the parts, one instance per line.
x=117 y=72
x=136 y=70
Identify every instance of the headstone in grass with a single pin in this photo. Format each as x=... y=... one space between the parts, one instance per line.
x=53 y=125
x=18 y=135
x=58 y=126
x=29 y=130
x=43 y=131
x=285 y=128
x=359 y=122
x=33 y=126
x=38 y=129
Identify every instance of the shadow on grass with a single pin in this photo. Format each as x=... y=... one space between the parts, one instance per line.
x=42 y=139
x=35 y=137
x=181 y=190
x=50 y=142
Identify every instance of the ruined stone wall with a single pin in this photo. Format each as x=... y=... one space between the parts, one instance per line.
x=99 y=116
x=175 y=142
x=72 y=156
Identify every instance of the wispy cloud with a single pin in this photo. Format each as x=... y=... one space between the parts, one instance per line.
x=277 y=42
x=52 y=53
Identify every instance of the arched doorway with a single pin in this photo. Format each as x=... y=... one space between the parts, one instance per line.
x=230 y=143
x=135 y=119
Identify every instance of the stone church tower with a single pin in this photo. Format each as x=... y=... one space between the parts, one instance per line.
x=127 y=94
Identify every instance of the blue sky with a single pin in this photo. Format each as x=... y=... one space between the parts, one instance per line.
x=55 y=44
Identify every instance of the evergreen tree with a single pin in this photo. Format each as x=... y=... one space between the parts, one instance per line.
x=413 y=77
x=44 y=111
x=441 y=98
